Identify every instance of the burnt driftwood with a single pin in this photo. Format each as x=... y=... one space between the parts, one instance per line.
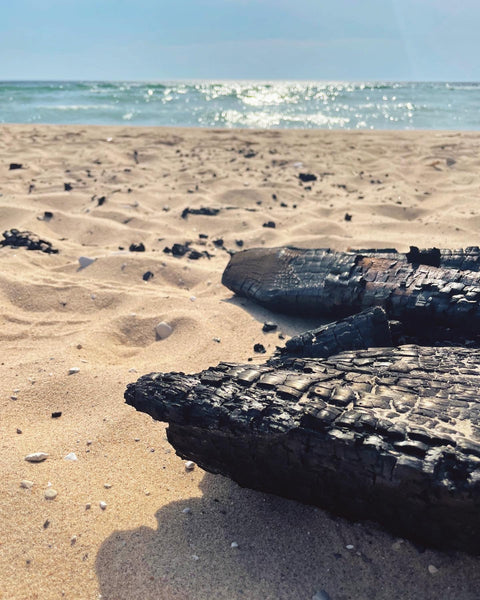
x=389 y=434
x=338 y=284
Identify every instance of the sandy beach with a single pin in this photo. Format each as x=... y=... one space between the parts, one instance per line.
x=96 y=192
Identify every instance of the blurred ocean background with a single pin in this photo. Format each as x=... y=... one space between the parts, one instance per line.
x=250 y=104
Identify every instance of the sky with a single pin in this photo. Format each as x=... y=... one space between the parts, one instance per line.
x=156 y=40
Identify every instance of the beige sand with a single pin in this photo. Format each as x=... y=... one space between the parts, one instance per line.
x=401 y=188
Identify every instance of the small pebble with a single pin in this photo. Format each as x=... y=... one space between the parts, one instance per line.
x=269 y=326
x=36 y=457
x=259 y=348
x=26 y=484
x=189 y=465
x=234 y=545
x=349 y=546
x=56 y=414
x=102 y=504
x=321 y=595
x=163 y=330
x=13 y=397
x=195 y=557
x=397 y=545
x=73 y=370
x=193 y=298
x=71 y=456
x=187 y=511
x=432 y=569
x=217 y=339
x=136 y=439
x=88 y=506
x=73 y=540
x=147 y=493
x=19 y=430
x=85 y=261
x=107 y=486
x=50 y=494
x=132 y=370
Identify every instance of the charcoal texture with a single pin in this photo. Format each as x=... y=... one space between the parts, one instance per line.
x=467 y=259
x=369 y=328
x=388 y=434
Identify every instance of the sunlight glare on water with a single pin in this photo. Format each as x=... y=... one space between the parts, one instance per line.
x=247 y=104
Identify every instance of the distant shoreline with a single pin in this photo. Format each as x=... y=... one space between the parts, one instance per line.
x=243 y=104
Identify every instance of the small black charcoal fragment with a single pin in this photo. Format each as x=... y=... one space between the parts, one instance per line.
x=269 y=326
x=14 y=166
x=347 y=217
x=239 y=243
x=179 y=249
x=259 y=348
x=47 y=215
x=147 y=275
x=67 y=187
x=274 y=196
x=209 y=212
x=305 y=177
x=195 y=254
x=101 y=200
x=270 y=224
x=203 y=236
x=56 y=414
x=218 y=243
x=137 y=247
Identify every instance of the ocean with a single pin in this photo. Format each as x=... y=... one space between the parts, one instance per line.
x=247 y=104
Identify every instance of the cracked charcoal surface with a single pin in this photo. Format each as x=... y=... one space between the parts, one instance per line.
x=388 y=434
x=336 y=284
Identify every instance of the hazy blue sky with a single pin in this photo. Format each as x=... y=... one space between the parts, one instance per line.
x=240 y=39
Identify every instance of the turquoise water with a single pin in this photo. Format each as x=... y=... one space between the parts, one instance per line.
x=270 y=104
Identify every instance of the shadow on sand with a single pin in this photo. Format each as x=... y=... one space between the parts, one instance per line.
x=286 y=551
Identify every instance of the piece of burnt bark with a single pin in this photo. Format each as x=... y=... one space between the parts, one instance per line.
x=391 y=435
x=367 y=329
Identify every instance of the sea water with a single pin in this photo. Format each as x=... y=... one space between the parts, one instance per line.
x=247 y=104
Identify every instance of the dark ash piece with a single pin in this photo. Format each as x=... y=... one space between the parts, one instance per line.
x=16 y=239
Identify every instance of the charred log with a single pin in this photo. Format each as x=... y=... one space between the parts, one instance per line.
x=391 y=435
x=336 y=284
x=368 y=329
